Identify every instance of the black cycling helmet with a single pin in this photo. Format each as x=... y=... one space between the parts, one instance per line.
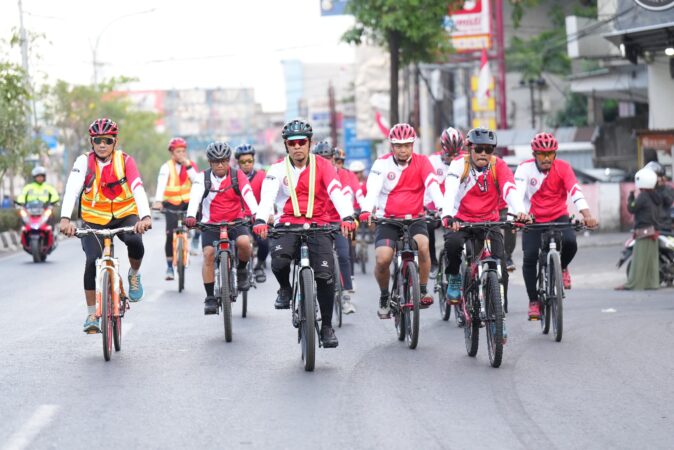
x=656 y=167
x=244 y=149
x=217 y=151
x=478 y=136
x=297 y=129
x=323 y=149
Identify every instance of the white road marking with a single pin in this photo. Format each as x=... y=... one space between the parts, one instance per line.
x=25 y=435
x=154 y=296
x=609 y=310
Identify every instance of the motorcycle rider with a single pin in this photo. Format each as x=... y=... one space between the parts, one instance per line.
x=39 y=190
x=666 y=192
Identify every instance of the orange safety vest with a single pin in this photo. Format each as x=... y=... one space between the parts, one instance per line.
x=176 y=193
x=99 y=209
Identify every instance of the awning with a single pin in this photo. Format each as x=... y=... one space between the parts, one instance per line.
x=651 y=38
x=625 y=83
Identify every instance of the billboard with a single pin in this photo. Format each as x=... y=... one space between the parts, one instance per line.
x=333 y=7
x=469 y=25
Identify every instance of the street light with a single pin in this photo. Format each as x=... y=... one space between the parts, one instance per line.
x=94 y=49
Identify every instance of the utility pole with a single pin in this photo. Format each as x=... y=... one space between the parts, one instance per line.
x=500 y=58
x=32 y=119
x=333 y=114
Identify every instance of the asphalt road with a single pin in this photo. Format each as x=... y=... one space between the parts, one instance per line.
x=178 y=384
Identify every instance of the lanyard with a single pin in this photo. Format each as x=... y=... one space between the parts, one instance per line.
x=312 y=187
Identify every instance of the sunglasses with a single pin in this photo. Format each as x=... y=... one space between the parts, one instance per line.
x=300 y=142
x=220 y=162
x=545 y=155
x=245 y=161
x=99 y=140
x=488 y=149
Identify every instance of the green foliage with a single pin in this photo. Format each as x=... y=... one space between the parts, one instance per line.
x=537 y=55
x=72 y=108
x=574 y=113
x=417 y=23
x=519 y=8
x=9 y=220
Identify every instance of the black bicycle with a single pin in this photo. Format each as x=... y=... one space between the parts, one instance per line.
x=225 y=270
x=181 y=253
x=549 y=281
x=304 y=303
x=441 y=283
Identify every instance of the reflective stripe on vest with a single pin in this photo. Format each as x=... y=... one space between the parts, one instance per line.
x=176 y=193
x=312 y=188
x=97 y=208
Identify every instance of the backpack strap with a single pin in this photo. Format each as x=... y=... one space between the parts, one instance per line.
x=492 y=169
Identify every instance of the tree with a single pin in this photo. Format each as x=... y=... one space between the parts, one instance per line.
x=411 y=30
x=72 y=108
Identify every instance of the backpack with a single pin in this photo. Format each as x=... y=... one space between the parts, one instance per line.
x=492 y=169
x=207 y=187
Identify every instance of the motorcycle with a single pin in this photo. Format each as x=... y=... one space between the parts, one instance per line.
x=666 y=257
x=37 y=235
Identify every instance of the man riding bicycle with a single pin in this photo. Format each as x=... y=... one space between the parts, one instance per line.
x=245 y=157
x=396 y=186
x=473 y=187
x=545 y=182
x=217 y=193
x=108 y=186
x=173 y=191
x=302 y=186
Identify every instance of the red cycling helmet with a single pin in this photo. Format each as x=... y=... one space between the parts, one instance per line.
x=100 y=127
x=177 y=142
x=544 y=142
x=402 y=133
x=451 y=141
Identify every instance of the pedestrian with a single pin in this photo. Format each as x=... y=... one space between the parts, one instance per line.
x=644 y=271
x=665 y=191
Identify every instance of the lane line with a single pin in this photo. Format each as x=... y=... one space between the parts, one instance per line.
x=25 y=435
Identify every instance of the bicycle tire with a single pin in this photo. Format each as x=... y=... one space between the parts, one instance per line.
x=413 y=294
x=244 y=304
x=225 y=296
x=471 y=331
x=117 y=326
x=35 y=248
x=180 y=250
x=362 y=256
x=544 y=302
x=308 y=320
x=106 y=315
x=398 y=318
x=555 y=296
x=445 y=310
x=494 y=321
x=338 y=291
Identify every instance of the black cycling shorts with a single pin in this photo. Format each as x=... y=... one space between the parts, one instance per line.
x=386 y=235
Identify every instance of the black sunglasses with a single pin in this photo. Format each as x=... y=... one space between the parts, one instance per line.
x=488 y=149
x=108 y=140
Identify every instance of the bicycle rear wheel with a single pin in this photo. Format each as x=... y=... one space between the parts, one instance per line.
x=180 y=250
x=494 y=325
x=543 y=299
x=244 y=303
x=106 y=315
x=308 y=320
x=411 y=301
x=362 y=256
x=555 y=296
x=471 y=308
x=441 y=283
x=225 y=296
x=338 y=291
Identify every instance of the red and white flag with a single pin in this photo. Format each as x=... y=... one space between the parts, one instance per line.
x=484 y=79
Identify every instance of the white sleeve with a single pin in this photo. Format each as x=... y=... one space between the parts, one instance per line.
x=521 y=182
x=192 y=174
x=375 y=183
x=249 y=198
x=268 y=193
x=514 y=200
x=360 y=197
x=74 y=186
x=196 y=195
x=436 y=194
x=162 y=180
x=142 y=203
x=342 y=205
x=452 y=183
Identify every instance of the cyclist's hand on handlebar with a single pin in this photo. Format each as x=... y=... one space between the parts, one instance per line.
x=261 y=228
x=523 y=218
x=449 y=222
x=589 y=221
x=143 y=225
x=348 y=226
x=365 y=217
x=67 y=228
x=190 y=222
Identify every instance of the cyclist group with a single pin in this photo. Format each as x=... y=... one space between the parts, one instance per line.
x=463 y=183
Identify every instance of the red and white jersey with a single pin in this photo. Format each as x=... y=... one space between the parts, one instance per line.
x=399 y=191
x=222 y=204
x=327 y=191
x=545 y=194
x=476 y=199
x=255 y=179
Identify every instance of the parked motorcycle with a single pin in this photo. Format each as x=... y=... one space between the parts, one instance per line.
x=37 y=235
x=666 y=256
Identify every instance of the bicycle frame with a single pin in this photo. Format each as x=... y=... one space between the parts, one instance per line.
x=107 y=262
x=180 y=233
x=300 y=265
x=478 y=267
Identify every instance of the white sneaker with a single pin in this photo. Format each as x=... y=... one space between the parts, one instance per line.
x=384 y=312
x=347 y=306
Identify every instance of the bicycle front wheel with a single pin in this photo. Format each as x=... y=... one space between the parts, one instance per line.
x=180 y=265
x=308 y=320
x=362 y=256
x=555 y=296
x=410 y=310
x=106 y=315
x=338 y=291
x=225 y=296
x=494 y=319
x=471 y=313
x=441 y=283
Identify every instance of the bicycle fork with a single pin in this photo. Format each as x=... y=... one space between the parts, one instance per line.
x=107 y=264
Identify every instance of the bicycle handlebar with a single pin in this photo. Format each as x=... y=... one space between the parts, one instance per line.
x=484 y=225
x=105 y=232
x=218 y=225
x=397 y=221
x=576 y=225
x=302 y=229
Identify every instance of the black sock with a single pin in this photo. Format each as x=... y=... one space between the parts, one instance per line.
x=241 y=264
x=210 y=287
x=383 y=293
x=283 y=277
x=423 y=289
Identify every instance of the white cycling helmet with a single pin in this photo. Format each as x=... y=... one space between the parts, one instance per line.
x=356 y=166
x=645 y=179
x=38 y=170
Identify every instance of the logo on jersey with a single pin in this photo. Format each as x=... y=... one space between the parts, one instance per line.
x=439 y=172
x=285 y=181
x=533 y=182
x=391 y=176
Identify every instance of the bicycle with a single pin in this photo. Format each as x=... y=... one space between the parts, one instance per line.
x=225 y=270
x=441 y=283
x=337 y=274
x=405 y=292
x=111 y=299
x=304 y=303
x=181 y=248
x=482 y=304
x=549 y=278
x=360 y=253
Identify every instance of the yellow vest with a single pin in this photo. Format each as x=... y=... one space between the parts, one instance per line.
x=97 y=208
x=176 y=193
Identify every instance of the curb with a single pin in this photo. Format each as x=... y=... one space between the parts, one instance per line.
x=9 y=241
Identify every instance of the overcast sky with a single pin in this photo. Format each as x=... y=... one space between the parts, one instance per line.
x=195 y=43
